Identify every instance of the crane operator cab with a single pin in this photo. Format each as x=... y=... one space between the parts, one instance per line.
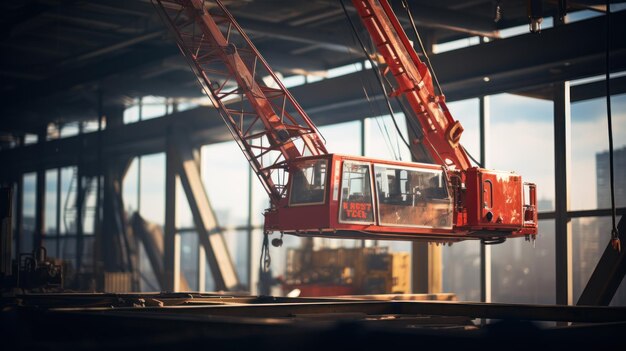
x=338 y=196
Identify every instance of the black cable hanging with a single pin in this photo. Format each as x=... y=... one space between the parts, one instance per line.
x=266 y=260
x=615 y=242
x=378 y=78
x=405 y=4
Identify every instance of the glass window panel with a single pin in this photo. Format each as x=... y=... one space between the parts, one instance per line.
x=590 y=161
x=523 y=272
x=461 y=270
x=412 y=197
x=189 y=261
x=70 y=129
x=225 y=172
x=130 y=184
x=91 y=126
x=68 y=192
x=51 y=247
x=522 y=140
x=466 y=112
x=455 y=44
x=87 y=257
x=147 y=279
x=356 y=194
x=89 y=213
x=30 y=139
x=184 y=217
x=293 y=81
x=52 y=177
x=52 y=131
x=28 y=212
x=152 y=107
x=152 y=188
x=343 y=138
x=237 y=243
x=131 y=114
x=308 y=182
x=383 y=140
x=67 y=248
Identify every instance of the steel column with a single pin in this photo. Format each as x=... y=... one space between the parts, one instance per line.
x=151 y=236
x=117 y=250
x=19 y=215
x=40 y=196
x=6 y=217
x=250 y=230
x=79 y=204
x=171 y=246
x=562 y=161
x=485 y=250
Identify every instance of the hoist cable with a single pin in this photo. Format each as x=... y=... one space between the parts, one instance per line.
x=383 y=129
x=405 y=4
x=615 y=242
x=266 y=260
x=378 y=78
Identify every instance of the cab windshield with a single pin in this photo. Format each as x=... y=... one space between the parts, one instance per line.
x=308 y=182
x=412 y=197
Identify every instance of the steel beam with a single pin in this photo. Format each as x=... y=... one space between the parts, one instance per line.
x=112 y=47
x=151 y=236
x=608 y=275
x=502 y=61
x=6 y=219
x=211 y=238
x=621 y=211
x=589 y=314
x=119 y=252
x=338 y=42
x=426 y=268
x=562 y=168
x=450 y=19
x=67 y=79
x=340 y=99
x=171 y=240
x=597 y=89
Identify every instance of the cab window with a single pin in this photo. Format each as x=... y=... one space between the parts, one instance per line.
x=308 y=182
x=413 y=197
x=356 y=194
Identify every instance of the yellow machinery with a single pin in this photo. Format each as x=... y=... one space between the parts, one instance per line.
x=347 y=271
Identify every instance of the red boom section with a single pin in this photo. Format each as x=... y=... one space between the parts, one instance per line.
x=441 y=133
x=268 y=124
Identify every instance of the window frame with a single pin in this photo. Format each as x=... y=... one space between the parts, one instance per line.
x=374 y=220
x=425 y=170
x=325 y=189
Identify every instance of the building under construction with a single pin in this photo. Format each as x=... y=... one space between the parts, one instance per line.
x=306 y=174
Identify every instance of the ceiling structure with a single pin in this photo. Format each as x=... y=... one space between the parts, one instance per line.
x=64 y=58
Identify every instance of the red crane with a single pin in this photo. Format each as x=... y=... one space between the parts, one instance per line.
x=314 y=193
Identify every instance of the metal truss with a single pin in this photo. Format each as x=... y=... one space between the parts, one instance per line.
x=269 y=126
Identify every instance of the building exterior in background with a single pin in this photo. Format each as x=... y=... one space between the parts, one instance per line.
x=603 y=178
x=596 y=231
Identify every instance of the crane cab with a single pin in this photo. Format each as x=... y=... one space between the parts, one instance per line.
x=342 y=196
